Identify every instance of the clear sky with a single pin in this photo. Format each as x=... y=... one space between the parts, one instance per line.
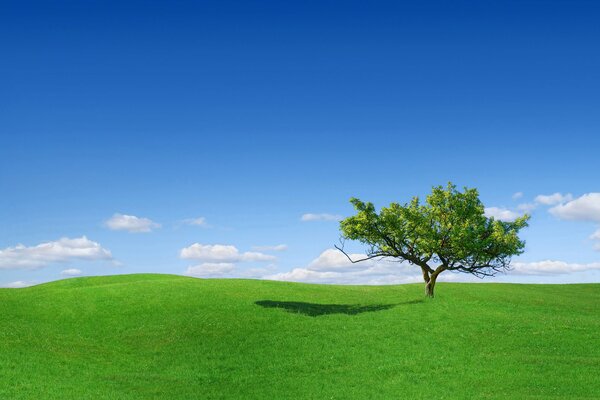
x=135 y=136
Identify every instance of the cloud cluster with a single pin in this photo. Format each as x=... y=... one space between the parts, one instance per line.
x=321 y=217
x=508 y=215
x=59 y=251
x=130 y=223
x=218 y=259
x=221 y=253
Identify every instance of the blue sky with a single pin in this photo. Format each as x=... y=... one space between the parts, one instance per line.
x=250 y=115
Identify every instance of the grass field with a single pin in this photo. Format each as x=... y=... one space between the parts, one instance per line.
x=172 y=337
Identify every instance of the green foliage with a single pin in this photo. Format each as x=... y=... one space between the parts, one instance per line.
x=450 y=229
x=169 y=337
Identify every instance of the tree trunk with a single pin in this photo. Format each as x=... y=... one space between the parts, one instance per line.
x=430 y=283
x=425 y=275
x=430 y=286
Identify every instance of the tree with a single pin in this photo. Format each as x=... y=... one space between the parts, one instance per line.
x=450 y=232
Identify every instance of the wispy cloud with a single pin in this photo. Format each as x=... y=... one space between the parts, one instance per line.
x=70 y=272
x=200 y=221
x=527 y=207
x=130 y=223
x=321 y=217
x=596 y=237
x=278 y=247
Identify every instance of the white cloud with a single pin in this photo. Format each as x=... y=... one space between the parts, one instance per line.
x=18 y=284
x=501 y=214
x=584 y=208
x=551 y=267
x=71 y=272
x=210 y=269
x=551 y=199
x=517 y=195
x=200 y=221
x=321 y=217
x=221 y=253
x=334 y=260
x=279 y=247
x=59 y=251
x=130 y=223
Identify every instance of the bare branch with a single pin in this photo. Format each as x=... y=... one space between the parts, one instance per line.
x=362 y=259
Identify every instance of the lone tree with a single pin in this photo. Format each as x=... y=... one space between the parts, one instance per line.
x=450 y=232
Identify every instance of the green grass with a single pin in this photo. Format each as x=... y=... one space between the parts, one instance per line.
x=172 y=337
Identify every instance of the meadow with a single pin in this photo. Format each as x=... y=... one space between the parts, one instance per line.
x=164 y=336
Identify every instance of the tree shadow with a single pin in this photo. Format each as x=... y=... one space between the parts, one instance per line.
x=315 y=310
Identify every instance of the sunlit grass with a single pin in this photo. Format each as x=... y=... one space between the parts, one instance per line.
x=164 y=336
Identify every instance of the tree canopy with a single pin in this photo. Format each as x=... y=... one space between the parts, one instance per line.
x=449 y=232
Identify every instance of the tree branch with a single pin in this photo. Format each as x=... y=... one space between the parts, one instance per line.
x=362 y=259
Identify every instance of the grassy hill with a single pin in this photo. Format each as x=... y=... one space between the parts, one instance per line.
x=172 y=337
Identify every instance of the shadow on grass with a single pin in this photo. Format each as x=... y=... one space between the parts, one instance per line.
x=315 y=310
